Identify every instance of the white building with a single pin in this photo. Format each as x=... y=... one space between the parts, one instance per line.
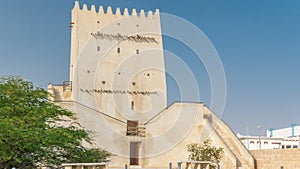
x=275 y=139
x=258 y=142
x=293 y=131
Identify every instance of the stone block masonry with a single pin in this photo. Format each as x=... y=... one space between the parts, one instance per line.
x=277 y=158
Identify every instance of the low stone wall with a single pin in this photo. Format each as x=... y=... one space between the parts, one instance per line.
x=277 y=158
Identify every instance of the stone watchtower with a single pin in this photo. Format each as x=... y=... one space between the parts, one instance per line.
x=117 y=90
x=117 y=62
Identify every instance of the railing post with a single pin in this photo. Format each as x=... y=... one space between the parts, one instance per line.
x=170 y=165
x=179 y=164
x=207 y=166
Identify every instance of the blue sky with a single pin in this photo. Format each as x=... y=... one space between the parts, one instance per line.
x=258 y=43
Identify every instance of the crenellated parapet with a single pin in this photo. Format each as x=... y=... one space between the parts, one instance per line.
x=117 y=12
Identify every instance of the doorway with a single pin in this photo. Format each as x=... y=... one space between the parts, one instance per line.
x=134 y=153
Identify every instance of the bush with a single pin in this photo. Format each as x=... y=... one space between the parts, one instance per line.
x=205 y=152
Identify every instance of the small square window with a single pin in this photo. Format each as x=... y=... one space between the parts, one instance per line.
x=118 y=50
x=103 y=82
x=98 y=48
x=133 y=83
x=137 y=51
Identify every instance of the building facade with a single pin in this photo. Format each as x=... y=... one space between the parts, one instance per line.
x=117 y=90
x=292 y=131
x=284 y=138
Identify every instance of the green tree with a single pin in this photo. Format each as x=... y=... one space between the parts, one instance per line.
x=205 y=152
x=30 y=132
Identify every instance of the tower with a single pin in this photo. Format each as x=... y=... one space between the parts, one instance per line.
x=117 y=62
x=118 y=93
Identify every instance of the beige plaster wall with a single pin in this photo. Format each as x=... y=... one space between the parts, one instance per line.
x=123 y=84
x=167 y=136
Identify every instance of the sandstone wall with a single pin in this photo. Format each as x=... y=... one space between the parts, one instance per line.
x=273 y=159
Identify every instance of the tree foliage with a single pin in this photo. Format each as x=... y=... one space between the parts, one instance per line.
x=30 y=133
x=205 y=152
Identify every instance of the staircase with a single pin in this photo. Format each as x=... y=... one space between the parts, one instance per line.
x=241 y=161
x=244 y=159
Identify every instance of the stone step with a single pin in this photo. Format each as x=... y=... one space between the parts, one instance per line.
x=231 y=144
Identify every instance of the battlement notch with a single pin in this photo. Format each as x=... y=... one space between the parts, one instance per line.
x=111 y=11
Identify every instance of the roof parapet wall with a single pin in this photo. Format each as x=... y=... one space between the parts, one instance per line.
x=110 y=11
